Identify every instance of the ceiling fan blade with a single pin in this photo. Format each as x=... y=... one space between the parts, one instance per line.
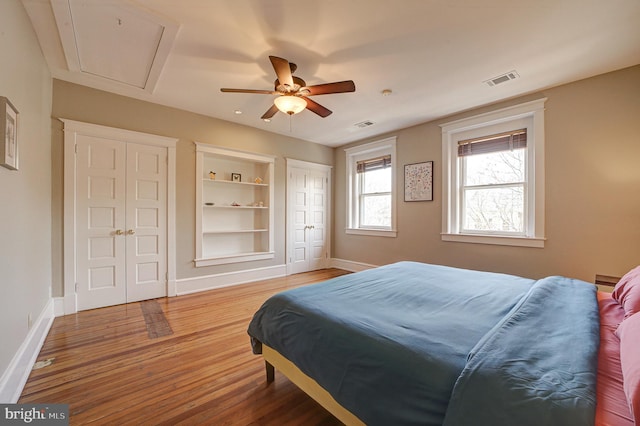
x=283 y=70
x=270 y=112
x=317 y=108
x=261 y=92
x=338 y=87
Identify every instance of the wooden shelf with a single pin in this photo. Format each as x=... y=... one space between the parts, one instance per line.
x=230 y=182
x=237 y=207
x=234 y=231
x=234 y=258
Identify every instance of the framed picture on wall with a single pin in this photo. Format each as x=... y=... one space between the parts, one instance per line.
x=8 y=134
x=418 y=181
x=235 y=177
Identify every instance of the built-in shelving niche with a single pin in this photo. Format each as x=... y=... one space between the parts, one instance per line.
x=234 y=209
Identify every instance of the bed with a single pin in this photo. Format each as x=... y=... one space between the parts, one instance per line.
x=411 y=343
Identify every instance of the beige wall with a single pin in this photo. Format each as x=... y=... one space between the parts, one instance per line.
x=592 y=160
x=80 y=103
x=25 y=195
x=591 y=213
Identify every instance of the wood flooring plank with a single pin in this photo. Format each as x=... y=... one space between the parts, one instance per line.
x=155 y=320
x=121 y=365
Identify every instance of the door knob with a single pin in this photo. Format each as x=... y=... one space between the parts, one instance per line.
x=119 y=232
x=131 y=232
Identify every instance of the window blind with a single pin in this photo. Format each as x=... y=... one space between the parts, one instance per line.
x=495 y=143
x=373 y=164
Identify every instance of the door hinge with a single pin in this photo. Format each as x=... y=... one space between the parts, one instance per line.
x=75 y=148
x=76 y=287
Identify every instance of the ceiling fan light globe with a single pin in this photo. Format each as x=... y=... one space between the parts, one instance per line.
x=290 y=104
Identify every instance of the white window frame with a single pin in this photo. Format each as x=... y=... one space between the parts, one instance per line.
x=364 y=152
x=528 y=115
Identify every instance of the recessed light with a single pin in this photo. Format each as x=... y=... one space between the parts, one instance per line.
x=266 y=120
x=237 y=112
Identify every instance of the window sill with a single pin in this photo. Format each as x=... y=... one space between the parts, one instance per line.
x=495 y=240
x=372 y=232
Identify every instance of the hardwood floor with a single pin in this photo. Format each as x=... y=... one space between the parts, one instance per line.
x=124 y=365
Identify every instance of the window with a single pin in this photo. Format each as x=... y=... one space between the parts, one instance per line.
x=371 y=189
x=494 y=177
x=493 y=183
x=374 y=184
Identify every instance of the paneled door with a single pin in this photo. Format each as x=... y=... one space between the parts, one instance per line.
x=308 y=220
x=146 y=222
x=121 y=222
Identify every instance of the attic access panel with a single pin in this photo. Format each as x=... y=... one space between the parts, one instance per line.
x=114 y=40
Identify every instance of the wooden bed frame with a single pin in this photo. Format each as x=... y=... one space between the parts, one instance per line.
x=274 y=360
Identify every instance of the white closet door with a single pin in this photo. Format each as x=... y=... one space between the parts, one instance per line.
x=146 y=219
x=100 y=222
x=307 y=227
x=298 y=225
x=317 y=190
x=121 y=227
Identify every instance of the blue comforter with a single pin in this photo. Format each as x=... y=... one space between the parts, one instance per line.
x=411 y=343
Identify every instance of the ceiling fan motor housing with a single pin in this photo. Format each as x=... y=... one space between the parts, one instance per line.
x=298 y=83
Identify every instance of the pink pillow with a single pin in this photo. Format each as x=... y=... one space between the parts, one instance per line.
x=629 y=333
x=627 y=292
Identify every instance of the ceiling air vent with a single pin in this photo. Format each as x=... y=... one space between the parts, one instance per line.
x=511 y=75
x=364 y=124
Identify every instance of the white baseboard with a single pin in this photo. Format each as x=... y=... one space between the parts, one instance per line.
x=17 y=373
x=349 y=265
x=210 y=282
x=58 y=306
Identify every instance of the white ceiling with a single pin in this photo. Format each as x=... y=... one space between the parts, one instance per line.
x=435 y=55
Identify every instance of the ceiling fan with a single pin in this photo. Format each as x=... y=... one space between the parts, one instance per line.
x=293 y=93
